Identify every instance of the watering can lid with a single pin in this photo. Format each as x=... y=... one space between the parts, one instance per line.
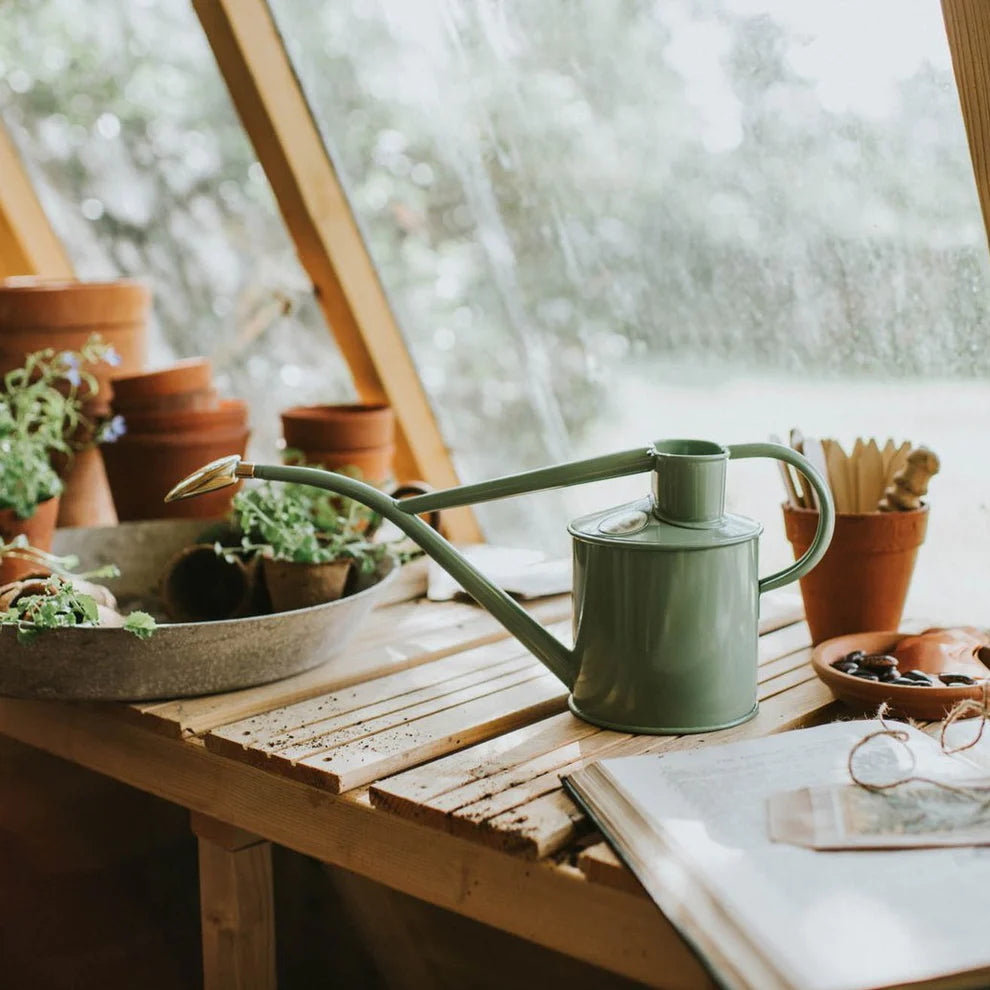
x=635 y=526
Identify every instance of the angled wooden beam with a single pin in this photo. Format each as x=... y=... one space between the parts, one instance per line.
x=967 y=24
x=277 y=118
x=28 y=245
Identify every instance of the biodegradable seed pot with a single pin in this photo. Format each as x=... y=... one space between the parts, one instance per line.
x=666 y=588
x=291 y=585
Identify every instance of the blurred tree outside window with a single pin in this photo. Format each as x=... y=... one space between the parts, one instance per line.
x=126 y=127
x=603 y=223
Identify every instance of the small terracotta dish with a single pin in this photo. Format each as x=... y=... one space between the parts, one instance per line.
x=923 y=703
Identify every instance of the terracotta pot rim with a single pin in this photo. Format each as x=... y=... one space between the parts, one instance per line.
x=337 y=453
x=343 y=410
x=227 y=412
x=40 y=283
x=798 y=511
x=38 y=505
x=191 y=439
x=57 y=305
x=185 y=375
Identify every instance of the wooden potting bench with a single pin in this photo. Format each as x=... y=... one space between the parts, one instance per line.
x=427 y=757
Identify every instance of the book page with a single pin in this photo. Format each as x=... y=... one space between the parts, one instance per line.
x=828 y=920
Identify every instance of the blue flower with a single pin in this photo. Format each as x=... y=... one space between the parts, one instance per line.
x=115 y=429
x=69 y=358
x=112 y=357
x=73 y=377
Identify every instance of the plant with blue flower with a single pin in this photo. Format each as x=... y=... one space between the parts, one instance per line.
x=42 y=415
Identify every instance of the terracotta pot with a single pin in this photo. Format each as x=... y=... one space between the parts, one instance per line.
x=86 y=499
x=343 y=427
x=191 y=376
x=62 y=313
x=229 y=414
x=143 y=467
x=292 y=586
x=198 y=585
x=373 y=464
x=38 y=528
x=861 y=583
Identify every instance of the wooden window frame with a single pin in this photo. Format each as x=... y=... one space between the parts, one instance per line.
x=277 y=118
x=28 y=244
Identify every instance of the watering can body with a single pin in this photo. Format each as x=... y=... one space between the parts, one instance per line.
x=666 y=589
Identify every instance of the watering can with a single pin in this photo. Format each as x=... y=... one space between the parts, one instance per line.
x=666 y=588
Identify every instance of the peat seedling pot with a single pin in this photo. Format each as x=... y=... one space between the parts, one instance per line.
x=291 y=586
x=200 y=585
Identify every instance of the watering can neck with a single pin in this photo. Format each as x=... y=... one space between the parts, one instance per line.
x=689 y=483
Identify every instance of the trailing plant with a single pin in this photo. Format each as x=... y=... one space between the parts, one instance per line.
x=41 y=415
x=58 y=606
x=303 y=525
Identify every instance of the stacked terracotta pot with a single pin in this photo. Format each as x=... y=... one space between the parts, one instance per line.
x=63 y=314
x=356 y=438
x=176 y=423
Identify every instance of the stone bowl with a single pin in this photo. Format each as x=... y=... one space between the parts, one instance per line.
x=181 y=659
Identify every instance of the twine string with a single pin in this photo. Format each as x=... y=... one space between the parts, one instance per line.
x=961 y=709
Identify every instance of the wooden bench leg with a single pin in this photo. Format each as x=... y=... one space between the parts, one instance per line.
x=236 y=907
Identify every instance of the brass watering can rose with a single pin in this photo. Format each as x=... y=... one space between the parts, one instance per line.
x=666 y=588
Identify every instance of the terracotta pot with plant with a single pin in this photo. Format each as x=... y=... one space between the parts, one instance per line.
x=62 y=315
x=356 y=438
x=41 y=414
x=310 y=542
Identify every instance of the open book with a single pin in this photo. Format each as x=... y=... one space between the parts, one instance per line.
x=692 y=826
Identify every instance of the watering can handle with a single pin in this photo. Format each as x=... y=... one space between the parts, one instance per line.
x=826 y=508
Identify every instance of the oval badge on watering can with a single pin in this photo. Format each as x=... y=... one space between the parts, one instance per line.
x=666 y=589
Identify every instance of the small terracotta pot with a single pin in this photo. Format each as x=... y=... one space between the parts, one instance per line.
x=229 y=414
x=292 y=586
x=861 y=583
x=142 y=468
x=373 y=465
x=193 y=375
x=86 y=499
x=343 y=427
x=198 y=585
x=38 y=528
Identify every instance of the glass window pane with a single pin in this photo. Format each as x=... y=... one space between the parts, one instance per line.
x=603 y=223
x=126 y=127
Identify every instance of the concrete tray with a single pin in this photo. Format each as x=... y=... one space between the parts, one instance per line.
x=181 y=659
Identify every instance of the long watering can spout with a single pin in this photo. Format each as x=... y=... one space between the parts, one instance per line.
x=559 y=660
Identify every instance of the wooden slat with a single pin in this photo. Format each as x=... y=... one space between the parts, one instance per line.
x=967 y=24
x=600 y=865
x=277 y=118
x=547 y=824
x=28 y=244
x=398 y=638
x=455 y=792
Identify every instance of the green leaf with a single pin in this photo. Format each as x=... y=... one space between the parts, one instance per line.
x=141 y=625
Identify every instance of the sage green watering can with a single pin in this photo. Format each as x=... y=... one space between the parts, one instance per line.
x=666 y=589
